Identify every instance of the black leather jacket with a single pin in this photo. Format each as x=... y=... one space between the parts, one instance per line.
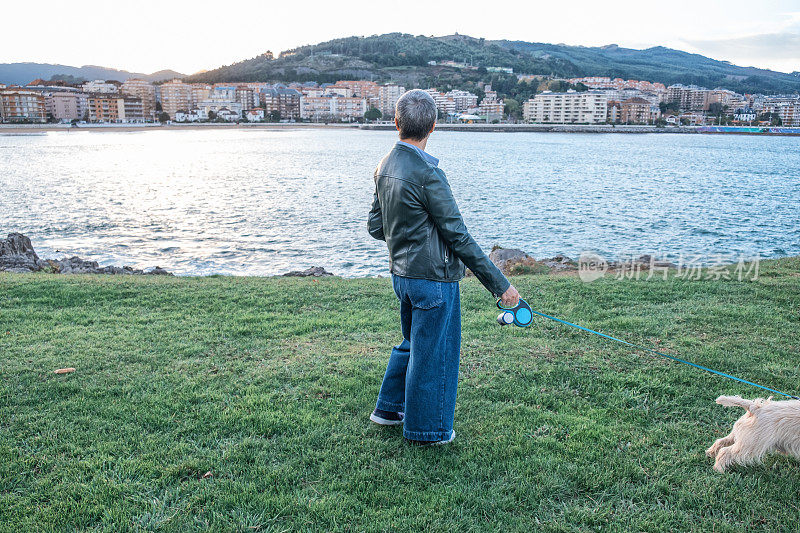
x=415 y=213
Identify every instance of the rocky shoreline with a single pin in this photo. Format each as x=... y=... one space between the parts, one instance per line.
x=512 y=261
x=17 y=255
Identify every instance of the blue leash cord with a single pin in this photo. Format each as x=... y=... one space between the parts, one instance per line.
x=638 y=347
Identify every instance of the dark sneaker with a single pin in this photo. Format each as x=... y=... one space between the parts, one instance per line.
x=386 y=418
x=434 y=442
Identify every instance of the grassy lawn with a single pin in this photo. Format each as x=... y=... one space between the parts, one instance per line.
x=267 y=384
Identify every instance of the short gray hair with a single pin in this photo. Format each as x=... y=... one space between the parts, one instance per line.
x=415 y=113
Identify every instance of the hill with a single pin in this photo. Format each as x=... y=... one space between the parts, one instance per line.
x=23 y=73
x=662 y=64
x=404 y=58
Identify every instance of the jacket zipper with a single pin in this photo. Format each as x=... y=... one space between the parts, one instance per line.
x=446 y=255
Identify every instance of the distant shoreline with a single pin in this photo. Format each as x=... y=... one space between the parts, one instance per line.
x=6 y=129
x=13 y=129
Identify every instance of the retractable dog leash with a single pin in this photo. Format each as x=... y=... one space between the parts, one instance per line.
x=521 y=315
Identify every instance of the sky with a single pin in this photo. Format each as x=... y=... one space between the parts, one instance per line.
x=189 y=36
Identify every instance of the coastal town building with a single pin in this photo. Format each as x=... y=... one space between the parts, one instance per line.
x=789 y=113
x=727 y=99
x=254 y=115
x=688 y=97
x=221 y=100
x=145 y=91
x=638 y=111
x=248 y=97
x=491 y=107
x=444 y=106
x=368 y=90
x=114 y=108
x=613 y=111
x=65 y=106
x=332 y=107
x=462 y=100
x=282 y=101
x=22 y=105
x=388 y=95
x=571 y=107
x=199 y=92
x=193 y=115
x=228 y=115
x=101 y=86
x=175 y=96
x=786 y=107
x=692 y=118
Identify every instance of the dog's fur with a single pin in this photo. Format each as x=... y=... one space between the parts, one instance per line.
x=767 y=426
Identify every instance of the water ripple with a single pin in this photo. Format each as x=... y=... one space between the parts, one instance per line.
x=264 y=202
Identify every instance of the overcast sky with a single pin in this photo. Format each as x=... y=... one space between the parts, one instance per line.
x=148 y=35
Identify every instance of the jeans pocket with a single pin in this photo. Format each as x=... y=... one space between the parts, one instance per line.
x=424 y=293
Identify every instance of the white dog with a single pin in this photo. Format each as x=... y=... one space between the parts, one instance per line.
x=766 y=427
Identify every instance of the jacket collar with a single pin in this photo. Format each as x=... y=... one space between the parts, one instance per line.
x=428 y=158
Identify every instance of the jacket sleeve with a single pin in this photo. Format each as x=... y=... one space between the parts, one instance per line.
x=446 y=217
x=375 y=220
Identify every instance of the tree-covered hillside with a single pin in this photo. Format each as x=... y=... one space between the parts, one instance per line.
x=661 y=64
x=405 y=59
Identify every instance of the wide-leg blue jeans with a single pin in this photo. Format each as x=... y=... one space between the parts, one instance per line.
x=422 y=375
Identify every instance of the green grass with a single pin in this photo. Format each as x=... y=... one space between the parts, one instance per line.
x=267 y=384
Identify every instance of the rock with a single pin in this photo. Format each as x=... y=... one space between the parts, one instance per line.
x=158 y=271
x=76 y=265
x=503 y=258
x=52 y=266
x=313 y=271
x=560 y=262
x=17 y=254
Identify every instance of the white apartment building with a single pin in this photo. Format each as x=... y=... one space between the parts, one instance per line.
x=221 y=98
x=100 y=86
x=332 y=107
x=388 y=95
x=789 y=113
x=571 y=107
x=444 y=104
x=463 y=100
x=787 y=107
